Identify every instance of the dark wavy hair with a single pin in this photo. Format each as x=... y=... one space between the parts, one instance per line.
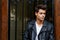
x=40 y=6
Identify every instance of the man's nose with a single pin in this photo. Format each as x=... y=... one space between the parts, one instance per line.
x=43 y=15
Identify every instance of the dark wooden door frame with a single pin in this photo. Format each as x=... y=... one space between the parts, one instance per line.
x=57 y=19
x=0 y=19
x=4 y=20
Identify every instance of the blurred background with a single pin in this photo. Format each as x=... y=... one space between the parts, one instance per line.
x=22 y=11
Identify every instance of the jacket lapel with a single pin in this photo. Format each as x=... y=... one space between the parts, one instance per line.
x=34 y=31
x=44 y=28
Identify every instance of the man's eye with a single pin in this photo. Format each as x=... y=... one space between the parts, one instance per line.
x=44 y=13
x=40 y=13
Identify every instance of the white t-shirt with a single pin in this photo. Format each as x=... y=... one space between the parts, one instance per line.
x=38 y=29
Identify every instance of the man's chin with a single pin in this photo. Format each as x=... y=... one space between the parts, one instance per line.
x=42 y=19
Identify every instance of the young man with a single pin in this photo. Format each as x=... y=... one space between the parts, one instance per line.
x=39 y=29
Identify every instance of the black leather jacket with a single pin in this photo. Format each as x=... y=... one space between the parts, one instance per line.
x=46 y=33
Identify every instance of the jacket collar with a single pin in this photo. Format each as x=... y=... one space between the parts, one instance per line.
x=44 y=28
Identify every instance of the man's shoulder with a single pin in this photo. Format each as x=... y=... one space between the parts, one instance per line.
x=30 y=24
x=49 y=24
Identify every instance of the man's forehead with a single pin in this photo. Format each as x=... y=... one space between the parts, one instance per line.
x=41 y=10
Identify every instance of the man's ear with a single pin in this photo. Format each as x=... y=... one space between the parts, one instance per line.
x=35 y=13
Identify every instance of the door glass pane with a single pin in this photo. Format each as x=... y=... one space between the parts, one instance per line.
x=12 y=21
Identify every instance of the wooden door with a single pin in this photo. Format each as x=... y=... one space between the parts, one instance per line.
x=57 y=19
x=4 y=19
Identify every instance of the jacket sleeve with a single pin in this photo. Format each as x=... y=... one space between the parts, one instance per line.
x=26 y=33
x=51 y=36
x=25 y=36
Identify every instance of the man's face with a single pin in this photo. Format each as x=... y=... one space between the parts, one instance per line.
x=40 y=15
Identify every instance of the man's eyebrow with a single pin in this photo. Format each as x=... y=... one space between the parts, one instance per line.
x=43 y=13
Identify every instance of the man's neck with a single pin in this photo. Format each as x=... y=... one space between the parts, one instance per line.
x=39 y=22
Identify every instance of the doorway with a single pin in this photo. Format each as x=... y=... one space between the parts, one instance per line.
x=22 y=11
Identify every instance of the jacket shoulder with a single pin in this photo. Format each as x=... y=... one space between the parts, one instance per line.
x=30 y=24
x=49 y=25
